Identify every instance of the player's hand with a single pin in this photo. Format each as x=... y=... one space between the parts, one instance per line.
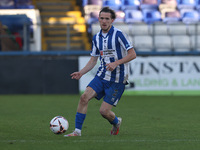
x=76 y=75
x=111 y=66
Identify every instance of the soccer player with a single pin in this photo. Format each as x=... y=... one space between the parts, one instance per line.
x=114 y=51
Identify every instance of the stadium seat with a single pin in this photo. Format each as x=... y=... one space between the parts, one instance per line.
x=143 y=43
x=95 y=28
x=149 y=5
x=172 y=17
x=140 y=29
x=160 y=29
x=130 y=4
x=177 y=29
x=113 y=4
x=181 y=43
x=132 y=16
x=197 y=7
x=187 y=4
x=151 y=16
x=120 y=16
x=122 y=26
x=190 y=17
x=162 y=43
x=193 y=29
x=195 y=42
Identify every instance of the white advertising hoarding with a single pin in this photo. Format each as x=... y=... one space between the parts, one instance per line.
x=157 y=73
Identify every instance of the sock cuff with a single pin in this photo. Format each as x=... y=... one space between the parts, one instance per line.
x=79 y=120
x=115 y=121
x=81 y=115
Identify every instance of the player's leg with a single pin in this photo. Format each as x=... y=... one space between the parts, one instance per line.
x=105 y=111
x=84 y=99
x=82 y=110
x=94 y=89
x=113 y=93
x=82 y=107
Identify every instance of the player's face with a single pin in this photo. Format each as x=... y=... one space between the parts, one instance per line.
x=105 y=21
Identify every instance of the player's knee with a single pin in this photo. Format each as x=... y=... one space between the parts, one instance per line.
x=104 y=112
x=83 y=99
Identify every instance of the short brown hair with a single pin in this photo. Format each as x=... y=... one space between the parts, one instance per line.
x=108 y=10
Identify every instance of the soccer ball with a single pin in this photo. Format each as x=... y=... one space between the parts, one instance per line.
x=59 y=125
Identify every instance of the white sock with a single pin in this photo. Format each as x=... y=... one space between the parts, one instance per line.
x=78 y=131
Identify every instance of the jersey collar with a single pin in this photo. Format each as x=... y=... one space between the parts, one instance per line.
x=109 y=32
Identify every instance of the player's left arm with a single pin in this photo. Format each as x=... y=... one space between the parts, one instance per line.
x=130 y=56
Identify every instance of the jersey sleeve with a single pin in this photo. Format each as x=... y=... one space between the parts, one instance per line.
x=95 y=50
x=124 y=41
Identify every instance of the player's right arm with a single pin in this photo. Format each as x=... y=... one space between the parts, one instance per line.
x=91 y=63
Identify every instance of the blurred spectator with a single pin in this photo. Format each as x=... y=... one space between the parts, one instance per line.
x=8 y=40
x=169 y=2
x=23 y=4
x=167 y=6
x=174 y=14
x=172 y=17
x=93 y=18
x=149 y=5
x=7 y=3
x=92 y=2
x=10 y=4
x=92 y=13
x=150 y=2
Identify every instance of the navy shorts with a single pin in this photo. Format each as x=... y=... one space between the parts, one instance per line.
x=111 y=91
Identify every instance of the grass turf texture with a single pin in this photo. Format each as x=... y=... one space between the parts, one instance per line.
x=149 y=122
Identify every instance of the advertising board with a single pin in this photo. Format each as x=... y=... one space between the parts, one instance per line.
x=157 y=73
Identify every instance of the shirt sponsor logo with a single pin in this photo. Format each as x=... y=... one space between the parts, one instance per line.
x=108 y=53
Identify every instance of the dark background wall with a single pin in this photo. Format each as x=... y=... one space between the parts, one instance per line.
x=37 y=75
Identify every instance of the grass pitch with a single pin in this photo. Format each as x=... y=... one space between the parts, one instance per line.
x=149 y=123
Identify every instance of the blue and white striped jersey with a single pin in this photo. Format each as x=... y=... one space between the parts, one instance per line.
x=110 y=48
